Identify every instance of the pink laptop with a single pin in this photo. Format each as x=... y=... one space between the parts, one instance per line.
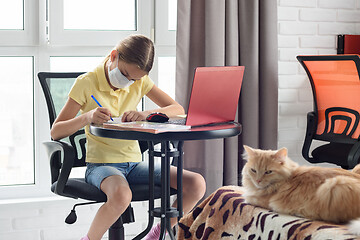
x=215 y=95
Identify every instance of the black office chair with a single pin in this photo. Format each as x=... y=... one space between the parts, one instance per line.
x=69 y=153
x=335 y=82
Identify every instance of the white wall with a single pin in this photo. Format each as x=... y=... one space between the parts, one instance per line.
x=43 y=219
x=305 y=27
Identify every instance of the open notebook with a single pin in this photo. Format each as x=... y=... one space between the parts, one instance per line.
x=144 y=126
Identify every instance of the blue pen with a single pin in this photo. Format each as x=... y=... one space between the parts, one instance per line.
x=99 y=105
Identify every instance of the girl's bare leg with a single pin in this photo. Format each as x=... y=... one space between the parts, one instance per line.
x=119 y=197
x=194 y=187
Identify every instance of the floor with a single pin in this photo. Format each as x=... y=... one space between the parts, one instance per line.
x=131 y=237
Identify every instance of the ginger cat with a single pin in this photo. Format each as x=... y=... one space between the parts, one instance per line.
x=272 y=180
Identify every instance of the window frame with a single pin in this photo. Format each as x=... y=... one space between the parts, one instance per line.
x=28 y=35
x=163 y=36
x=36 y=188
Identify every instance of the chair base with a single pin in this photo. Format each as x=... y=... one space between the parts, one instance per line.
x=116 y=231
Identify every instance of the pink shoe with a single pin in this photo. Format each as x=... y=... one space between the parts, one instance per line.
x=85 y=238
x=154 y=233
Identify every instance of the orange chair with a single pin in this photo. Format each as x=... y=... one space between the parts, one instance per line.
x=336 y=90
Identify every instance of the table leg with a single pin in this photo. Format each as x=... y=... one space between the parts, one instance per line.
x=179 y=178
x=151 y=192
x=165 y=189
x=178 y=160
x=165 y=212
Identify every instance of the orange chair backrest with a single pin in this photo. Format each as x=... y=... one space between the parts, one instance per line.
x=336 y=88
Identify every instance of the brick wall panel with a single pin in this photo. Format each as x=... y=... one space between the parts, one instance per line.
x=312 y=31
x=337 y=4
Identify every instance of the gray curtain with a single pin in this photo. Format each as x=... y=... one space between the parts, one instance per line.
x=228 y=33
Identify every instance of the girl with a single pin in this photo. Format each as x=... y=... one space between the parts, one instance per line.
x=119 y=83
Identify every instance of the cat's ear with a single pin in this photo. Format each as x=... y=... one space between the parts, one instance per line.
x=281 y=155
x=249 y=150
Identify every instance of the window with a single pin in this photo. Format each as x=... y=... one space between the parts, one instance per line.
x=17 y=26
x=12 y=15
x=98 y=22
x=74 y=64
x=59 y=36
x=110 y=15
x=165 y=22
x=16 y=142
x=172 y=15
x=166 y=75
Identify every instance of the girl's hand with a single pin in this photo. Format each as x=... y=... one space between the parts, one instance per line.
x=132 y=116
x=99 y=115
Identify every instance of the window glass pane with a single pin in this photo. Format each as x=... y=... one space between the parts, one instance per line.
x=172 y=15
x=100 y=15
x=16 y=100
x=166 y=76
x=74 y=64
x=11 y=15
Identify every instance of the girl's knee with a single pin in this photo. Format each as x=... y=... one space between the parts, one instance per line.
x=120 y=198
x=196 y=186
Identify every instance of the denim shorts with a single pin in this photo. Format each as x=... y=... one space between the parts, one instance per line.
x=133 y=172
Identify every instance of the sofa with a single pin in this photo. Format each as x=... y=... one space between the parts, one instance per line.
x=226 y=215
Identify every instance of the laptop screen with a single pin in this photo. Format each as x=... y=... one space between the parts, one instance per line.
x=215 y=95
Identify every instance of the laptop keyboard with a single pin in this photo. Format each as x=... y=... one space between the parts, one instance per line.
x=178 y=121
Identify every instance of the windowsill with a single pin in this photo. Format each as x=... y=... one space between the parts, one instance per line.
x=37 y=200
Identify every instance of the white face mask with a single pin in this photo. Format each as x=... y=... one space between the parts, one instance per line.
x=117 y=79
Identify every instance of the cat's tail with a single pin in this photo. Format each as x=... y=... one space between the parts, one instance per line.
x=354 y=227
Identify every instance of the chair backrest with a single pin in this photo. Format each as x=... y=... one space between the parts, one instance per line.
x=56 y=87
x=336 y=90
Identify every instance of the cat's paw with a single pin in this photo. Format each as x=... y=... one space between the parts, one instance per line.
x=354 y=227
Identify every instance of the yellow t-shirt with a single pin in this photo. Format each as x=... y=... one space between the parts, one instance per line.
x=107 y=150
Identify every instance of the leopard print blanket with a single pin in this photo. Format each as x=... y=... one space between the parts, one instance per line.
x=225 y=215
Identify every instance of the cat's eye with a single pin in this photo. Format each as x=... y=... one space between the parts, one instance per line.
x=268 y=172
x=253 y=170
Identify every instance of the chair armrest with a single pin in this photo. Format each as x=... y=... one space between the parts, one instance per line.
x=354 y=155
x=310 y=132
x=60 y=166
